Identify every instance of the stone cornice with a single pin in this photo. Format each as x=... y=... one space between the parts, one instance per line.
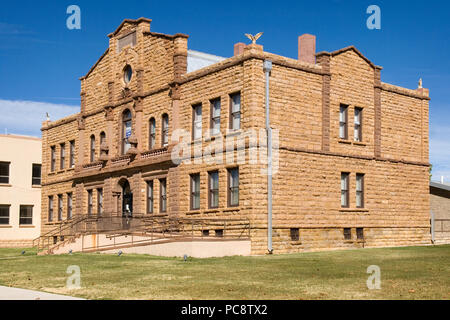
x=403 y=91
x=62 y=121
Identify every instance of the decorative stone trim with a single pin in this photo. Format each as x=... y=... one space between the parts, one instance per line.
x=94 y=165
x=336 y=154
x=377 y=107
x=324 y=61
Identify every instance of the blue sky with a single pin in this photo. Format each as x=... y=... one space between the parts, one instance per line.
x=41 y=60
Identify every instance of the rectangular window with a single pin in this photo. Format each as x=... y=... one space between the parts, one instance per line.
x=235 y=111
x=150 y=197
x=52 y=158
x=163 y=195
x=195 y=191
x=360 y=190
x=347 y=233
x=205 y=233
x=215 y=117
x=50 y=208
x=358 y=124
x=295 y=234
x=4 y=172
x=60 y=207
x=233 y=187
x=197 y=122
x=4 y=214
x=62 y=158
x=90 y=202
x=69 y=206
x=344 y=189
x=72 y=154
x=165 y=130
x=343 y=120
x=360 y=233
x=36 y=175
x=219 y=233
x=26 y=215
x=99 y=201
x=213 y=189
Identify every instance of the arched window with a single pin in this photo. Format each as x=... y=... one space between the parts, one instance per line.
x=102 y=138
x=126 y=130
x=151 y=133
x=165 y=130
x=103 y=146
x=92 y=149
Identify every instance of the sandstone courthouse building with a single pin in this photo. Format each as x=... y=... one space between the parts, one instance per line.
x=353 y=164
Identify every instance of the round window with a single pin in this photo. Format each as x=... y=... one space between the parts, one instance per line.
x=127 y=74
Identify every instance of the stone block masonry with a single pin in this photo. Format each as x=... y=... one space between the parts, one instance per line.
x=306 y=95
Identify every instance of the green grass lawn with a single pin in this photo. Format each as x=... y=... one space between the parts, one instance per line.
x=406 y=273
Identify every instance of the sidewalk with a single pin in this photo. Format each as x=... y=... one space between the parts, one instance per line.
x=7 y=293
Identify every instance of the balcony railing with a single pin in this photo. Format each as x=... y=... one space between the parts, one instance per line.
x=154 y=152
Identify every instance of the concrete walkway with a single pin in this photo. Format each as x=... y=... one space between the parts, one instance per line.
x=7 y=293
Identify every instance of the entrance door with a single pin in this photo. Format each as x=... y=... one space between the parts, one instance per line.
x=127 y=201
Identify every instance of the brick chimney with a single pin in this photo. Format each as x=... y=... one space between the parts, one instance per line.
x=239 y=48
x=307 y=48
x=180 y=54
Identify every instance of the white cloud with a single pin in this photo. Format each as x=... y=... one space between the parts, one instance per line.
x=25 y=117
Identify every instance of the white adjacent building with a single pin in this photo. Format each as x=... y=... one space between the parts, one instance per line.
x=20 y=190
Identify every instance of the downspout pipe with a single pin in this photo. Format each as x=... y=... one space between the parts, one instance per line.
x=432 y=227
x=267 y=67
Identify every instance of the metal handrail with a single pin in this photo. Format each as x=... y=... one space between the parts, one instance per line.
x=147 y=225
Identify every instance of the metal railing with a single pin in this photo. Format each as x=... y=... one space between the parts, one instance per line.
x=147 y=228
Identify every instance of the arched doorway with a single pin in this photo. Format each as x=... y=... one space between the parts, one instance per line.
x=127 y=199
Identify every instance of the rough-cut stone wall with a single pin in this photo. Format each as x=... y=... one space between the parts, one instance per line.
x=352 y=85
x=440 y=206
x=403 y=128
x=305 y=100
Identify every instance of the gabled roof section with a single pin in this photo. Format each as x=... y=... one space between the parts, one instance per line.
x=130 y=21
x=350 y=48
x=95 y=65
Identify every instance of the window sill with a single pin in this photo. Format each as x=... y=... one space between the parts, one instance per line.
x=231 y=132
x=5 y=226
x=212 y=210
x=296 y=242
x=37 y=186
x=6 y=185
x=350 y=142
x=353 y=210
x=70 y=169
x=54 y=223
x=51 y=173
x=212 y=138
x=61 y=171
x=26 y=226
x=228 y=209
